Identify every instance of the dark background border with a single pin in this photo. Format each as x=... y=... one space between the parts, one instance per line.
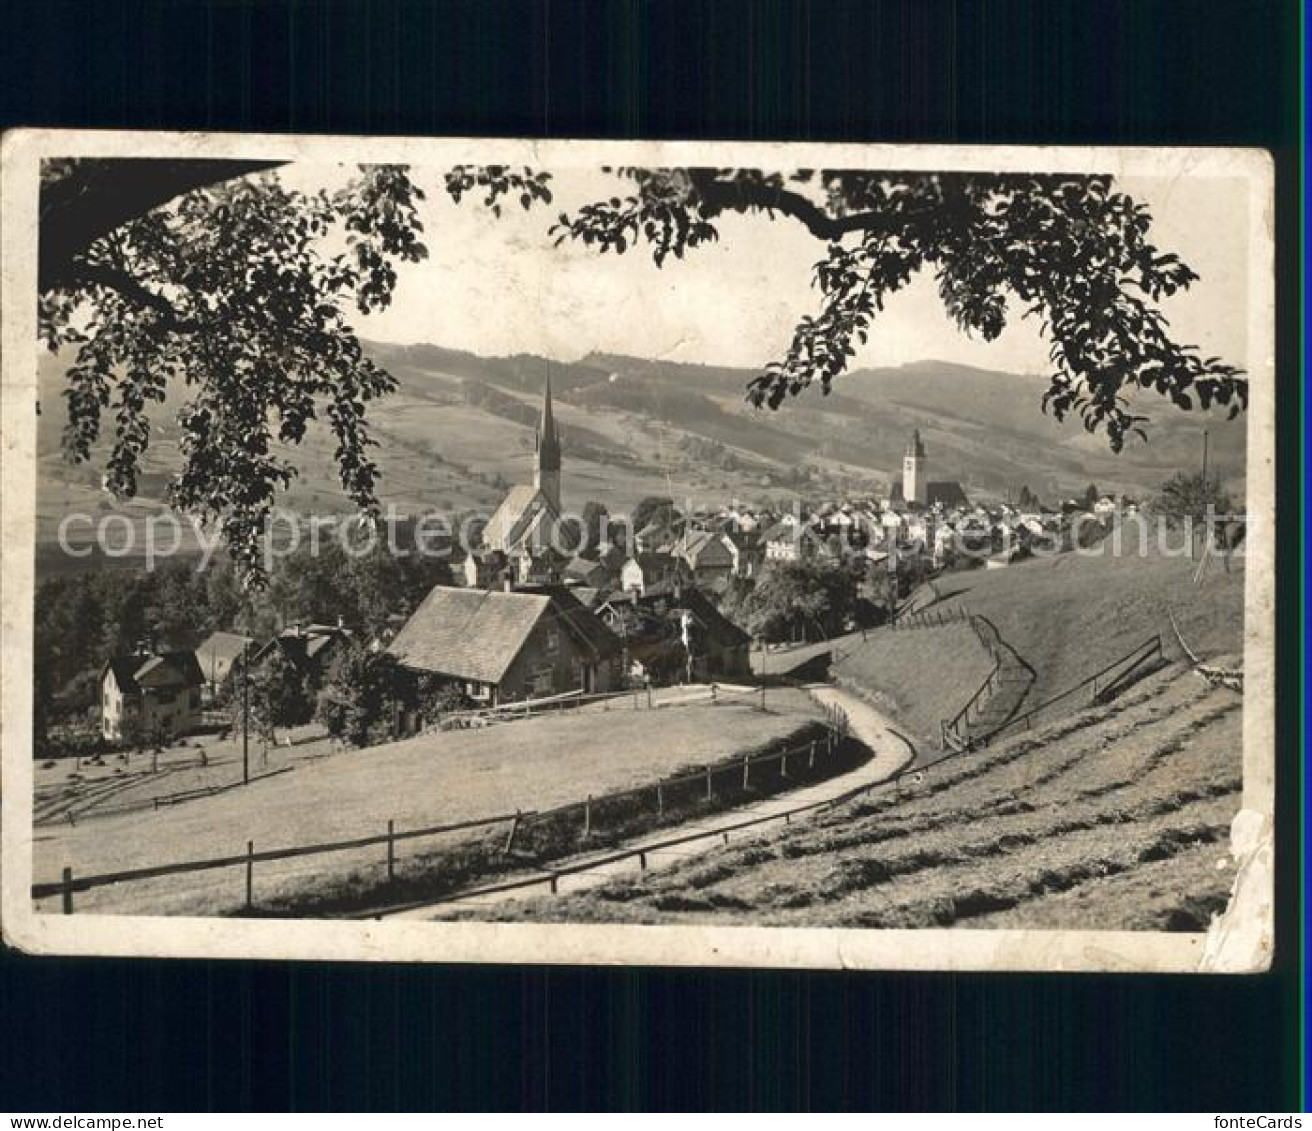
x=84 y=1035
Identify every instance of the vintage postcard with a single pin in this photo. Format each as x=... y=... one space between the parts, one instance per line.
x=729 y=554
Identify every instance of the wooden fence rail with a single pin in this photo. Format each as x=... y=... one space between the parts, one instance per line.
x=1097 y=685
x=836 y=729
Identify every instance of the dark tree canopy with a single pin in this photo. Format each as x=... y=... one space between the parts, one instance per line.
x=1191 y=496
x=242 y=290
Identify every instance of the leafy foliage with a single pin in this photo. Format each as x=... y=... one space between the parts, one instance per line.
x=1071 y=250
x=1190 y=497
x=811 y=598
x=280 y=695
x=364 y=692
x=242 y=291
x=82 y=619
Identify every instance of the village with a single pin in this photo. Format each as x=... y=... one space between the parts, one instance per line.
x=565 y=685
x=668 y=602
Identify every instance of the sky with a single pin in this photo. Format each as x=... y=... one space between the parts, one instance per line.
x=498 y=286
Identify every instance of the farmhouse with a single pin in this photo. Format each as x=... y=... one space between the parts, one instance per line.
x=713 y=558
x=308 y=648
x=669 y=636
x=150 y=695
x=502 y=645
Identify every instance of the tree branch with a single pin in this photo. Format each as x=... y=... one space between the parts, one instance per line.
x=84 y=199
x=126 y=284
x=744 y=196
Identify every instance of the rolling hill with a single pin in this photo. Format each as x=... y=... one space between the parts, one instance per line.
x=459 y=429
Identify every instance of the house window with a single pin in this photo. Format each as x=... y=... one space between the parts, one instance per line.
x=553 y=640
x=544 y=681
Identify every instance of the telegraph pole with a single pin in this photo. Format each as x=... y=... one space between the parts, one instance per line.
x=1193 y=553
x=246 y=713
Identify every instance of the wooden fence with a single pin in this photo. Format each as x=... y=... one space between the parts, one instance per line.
x=1099 y=687
x=640 y=698
x=735 y=774
x=956 y=732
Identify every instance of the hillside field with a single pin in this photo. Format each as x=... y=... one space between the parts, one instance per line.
x=1066 y=615
x=435 y=778
x=1115 y=818
x=459 y=429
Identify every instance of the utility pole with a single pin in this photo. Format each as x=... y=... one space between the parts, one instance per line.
x=246 y=713
x=1193 y=553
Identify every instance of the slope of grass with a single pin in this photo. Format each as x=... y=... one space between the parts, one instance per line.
x=916 y=676
x=432 y=779
x=1070 y=614
x=1113 y=819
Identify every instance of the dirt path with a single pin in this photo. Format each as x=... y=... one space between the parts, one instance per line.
x=892 y=753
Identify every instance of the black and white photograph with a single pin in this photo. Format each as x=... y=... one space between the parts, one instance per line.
x=614 y=552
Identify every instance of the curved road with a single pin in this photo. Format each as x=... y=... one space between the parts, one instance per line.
x=892 y=753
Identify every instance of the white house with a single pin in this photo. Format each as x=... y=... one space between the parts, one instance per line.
x=150 y=695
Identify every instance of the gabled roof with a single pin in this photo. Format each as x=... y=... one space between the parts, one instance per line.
x=222 y=646
x=948 y=492
x=657 y=616
x=467 y=633
x=219 y=651
x=718 y=628
x=475 y=635
x=162 y=670
x=305 y=649
x=706 y=543
x=523 y=507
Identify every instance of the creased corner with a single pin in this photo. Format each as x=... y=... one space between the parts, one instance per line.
x=1239 y=940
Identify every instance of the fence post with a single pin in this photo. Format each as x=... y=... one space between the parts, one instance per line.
x=810 y=762
x=391 y=850
x=710 y=792
x=510 y=839
x=250 y=875
x=660 y=799
x=68 y=891
x=587 y=817
x=747 y=763
x=649 y=696
x=783 y=764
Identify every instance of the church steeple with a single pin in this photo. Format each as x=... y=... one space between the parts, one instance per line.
x=915 y=489
x=546 y=476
